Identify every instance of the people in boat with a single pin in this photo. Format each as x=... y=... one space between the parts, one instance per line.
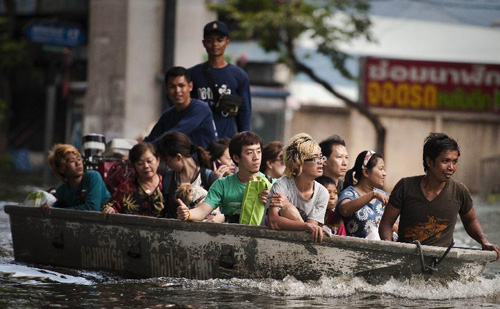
x=227 y=193
x=222 y=163
x=187 y=163
x=296 y=201
x=333 y=220
x=337 y=159
x=82 y=190
x=361 y=203
x=189 y=116
x=140 y=195
x=272 y=164
x=428 y=204
x=216 y=77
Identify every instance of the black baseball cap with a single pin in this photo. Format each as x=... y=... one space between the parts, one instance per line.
x=215 y=26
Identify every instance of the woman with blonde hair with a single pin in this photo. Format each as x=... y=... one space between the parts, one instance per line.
x=297 y=201
x=83 y=190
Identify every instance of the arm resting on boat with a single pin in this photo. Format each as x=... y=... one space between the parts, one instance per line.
x=474 y=229
x=196 y=214
x=277 y=222
x=390 y=216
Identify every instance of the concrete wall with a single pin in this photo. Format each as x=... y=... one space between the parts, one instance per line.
x=192 y=16
x=144 y=64
x=478 y=136
x=107 y=52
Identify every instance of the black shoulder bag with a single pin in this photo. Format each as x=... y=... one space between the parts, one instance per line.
x=226 y=104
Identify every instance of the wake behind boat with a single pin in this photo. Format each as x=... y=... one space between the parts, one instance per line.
x=142 y=247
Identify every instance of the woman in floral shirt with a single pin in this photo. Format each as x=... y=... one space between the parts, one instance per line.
x=141 y=195
x=361 y=203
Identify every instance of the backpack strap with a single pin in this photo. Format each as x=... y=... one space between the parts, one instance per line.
x=167 y=179
x=205 y=176
x=211 y=81
x=269 y=178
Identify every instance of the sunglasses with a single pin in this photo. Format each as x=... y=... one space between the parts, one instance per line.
x=316 y=159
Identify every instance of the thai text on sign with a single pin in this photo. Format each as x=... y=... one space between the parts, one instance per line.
x=431 y=85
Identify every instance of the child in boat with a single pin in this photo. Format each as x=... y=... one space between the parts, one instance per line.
x=361 y=203
x=296 y=200
x=332 y=219
x=82 y=190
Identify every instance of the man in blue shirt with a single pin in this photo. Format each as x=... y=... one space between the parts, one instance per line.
x=189 y=116
x=219 y=76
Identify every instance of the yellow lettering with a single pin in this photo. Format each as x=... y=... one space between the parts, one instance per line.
x=416 y=96
x=402 y=95
x=373 y=93
x=430 y=97
x=388 y=94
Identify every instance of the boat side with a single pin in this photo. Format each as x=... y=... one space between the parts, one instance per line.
x=139 y=247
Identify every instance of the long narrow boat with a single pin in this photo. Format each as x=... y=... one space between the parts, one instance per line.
x=141 y=247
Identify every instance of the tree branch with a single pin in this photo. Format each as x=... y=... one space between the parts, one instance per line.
x=301 y=67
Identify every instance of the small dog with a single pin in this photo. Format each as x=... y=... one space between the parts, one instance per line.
x=192 y=196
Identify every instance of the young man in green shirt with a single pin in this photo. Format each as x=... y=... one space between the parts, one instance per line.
x=227 y=193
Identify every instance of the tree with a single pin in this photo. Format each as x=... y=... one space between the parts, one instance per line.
x=277 y=24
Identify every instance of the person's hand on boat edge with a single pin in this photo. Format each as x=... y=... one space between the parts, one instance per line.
x=491 y=247
x=45 y=206
x=316 y=230
x=108 y=210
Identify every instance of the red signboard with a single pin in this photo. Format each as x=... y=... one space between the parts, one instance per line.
x=430 y=85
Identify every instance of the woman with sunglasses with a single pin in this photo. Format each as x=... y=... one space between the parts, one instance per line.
x=296 y=201
x=272 y=164
x=361 y=204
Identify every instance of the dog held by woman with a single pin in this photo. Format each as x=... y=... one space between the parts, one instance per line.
x=193 y=195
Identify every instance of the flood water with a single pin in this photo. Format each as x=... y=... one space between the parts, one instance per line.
x=28 y=286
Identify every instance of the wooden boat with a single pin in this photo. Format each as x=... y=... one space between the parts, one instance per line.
x=140 y=247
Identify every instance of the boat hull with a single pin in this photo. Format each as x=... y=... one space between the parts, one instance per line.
x=142 y=247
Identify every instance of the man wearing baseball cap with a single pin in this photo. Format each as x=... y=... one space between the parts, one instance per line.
x=216 y=77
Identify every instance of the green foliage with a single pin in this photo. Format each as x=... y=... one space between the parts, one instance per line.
x=277 y=24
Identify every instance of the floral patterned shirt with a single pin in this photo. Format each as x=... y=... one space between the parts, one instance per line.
x=363 y=223
x=131 y=199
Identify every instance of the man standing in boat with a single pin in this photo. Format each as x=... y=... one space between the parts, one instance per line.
x=189 y=116
x=222 y=85
x=337 y=159
x=227 y=193
x=428 y=204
